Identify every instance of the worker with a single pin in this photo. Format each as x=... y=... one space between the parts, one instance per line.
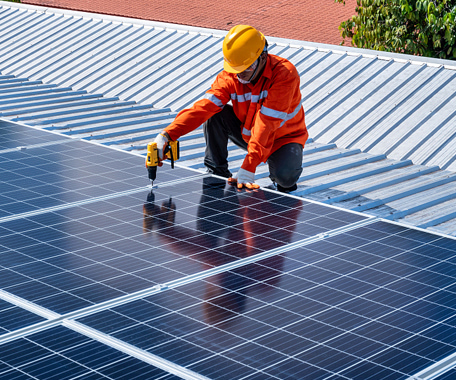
x=265 y=116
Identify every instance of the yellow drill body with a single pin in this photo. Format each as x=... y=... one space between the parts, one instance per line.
x=152 y=158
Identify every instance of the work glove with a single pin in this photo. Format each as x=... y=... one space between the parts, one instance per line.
x=162 y=143
x=244 y=178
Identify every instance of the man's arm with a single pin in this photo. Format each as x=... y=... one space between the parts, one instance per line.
x=191 y=118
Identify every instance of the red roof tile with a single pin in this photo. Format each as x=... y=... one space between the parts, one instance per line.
x=307 y=20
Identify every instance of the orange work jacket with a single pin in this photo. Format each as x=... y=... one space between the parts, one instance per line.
x=270 y=111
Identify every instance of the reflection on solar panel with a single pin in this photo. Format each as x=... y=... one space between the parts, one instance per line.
x=373 y=303
x=75 y=257
x=198 y=280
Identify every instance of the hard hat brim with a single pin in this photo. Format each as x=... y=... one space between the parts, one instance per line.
x=234 y=70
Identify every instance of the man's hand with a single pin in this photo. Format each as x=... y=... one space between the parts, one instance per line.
x=162 y=143
x=244 y=178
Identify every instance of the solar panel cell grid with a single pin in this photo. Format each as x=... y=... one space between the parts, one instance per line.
x=60 y=353
x=13 y=317
x=372 y=302
x=55 y=175
x=78 y=256
x=14 y=135
x=318 y=327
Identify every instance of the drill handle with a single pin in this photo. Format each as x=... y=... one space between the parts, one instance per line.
x=172 y=151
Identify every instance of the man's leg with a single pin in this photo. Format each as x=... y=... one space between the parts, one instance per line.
x=285 y=166
x=217 y=130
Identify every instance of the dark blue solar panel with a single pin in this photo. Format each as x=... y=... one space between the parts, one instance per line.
x=13 y=317
x=373 y=303
x=60 y=353
x=13 y=135
x=58 y=174
x=84 y=255
x=337 y=308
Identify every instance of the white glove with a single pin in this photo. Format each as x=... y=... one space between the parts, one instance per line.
x=162 y=142
x=244 y=178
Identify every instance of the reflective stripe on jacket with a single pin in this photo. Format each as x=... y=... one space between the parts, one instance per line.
x=270 y=111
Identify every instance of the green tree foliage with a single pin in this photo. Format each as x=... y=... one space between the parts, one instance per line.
x=420 y=27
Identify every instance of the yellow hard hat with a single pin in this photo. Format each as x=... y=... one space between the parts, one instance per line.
x=241 y=47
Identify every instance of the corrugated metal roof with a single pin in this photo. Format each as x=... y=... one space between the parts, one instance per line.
x=382 y=127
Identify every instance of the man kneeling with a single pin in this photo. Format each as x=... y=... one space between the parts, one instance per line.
x=266 y=117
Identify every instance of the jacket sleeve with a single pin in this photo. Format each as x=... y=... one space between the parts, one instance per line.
x=282 y=103
x=191 y=118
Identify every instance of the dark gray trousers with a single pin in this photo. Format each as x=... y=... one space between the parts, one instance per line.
x=285 y=164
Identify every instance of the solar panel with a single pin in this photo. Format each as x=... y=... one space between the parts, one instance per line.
x=374 y=302
x=225 y=284
x=40 y=177
x=60 y=353
x=14 y=135
x=79 y=256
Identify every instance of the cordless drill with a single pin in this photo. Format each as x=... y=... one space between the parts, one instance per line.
x=171 y=152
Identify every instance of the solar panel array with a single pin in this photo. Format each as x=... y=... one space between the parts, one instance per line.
x=102 y=277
